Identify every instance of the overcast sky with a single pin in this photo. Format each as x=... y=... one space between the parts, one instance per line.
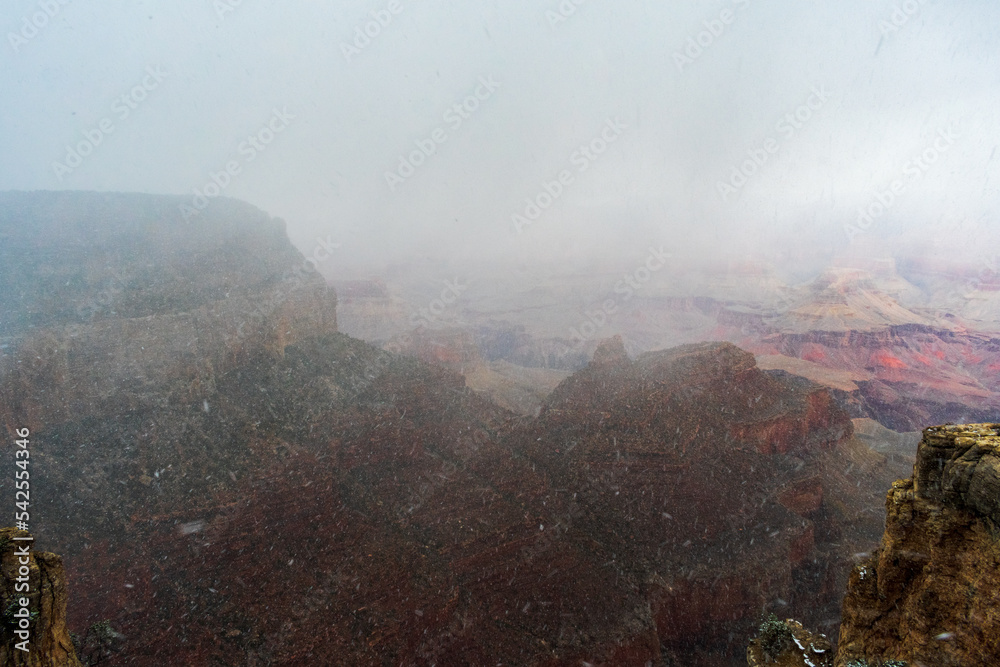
x=676 y=94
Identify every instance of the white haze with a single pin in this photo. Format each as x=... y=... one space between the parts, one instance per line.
x=228 y=66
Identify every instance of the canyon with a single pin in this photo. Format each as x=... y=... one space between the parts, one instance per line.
x=231 y=479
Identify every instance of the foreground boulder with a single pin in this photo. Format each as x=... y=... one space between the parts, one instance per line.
x=48 y=642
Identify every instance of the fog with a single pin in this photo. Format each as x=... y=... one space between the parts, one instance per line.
x=825 y=107
x=561 y=332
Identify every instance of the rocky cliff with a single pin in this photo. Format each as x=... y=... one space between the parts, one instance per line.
x=928 y=595
x=647 y=515
x=109 y=299
x=905 y=376
x=118 y=319
x=33 y=631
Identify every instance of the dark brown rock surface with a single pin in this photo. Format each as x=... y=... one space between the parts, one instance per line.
x=384 y=512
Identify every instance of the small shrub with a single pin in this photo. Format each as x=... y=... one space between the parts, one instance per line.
x=98 y=643
x=774 y=637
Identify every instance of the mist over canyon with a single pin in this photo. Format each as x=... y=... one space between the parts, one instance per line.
x=558 y=334
x=214 y=457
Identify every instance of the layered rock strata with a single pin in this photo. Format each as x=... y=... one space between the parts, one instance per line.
x=929 y=595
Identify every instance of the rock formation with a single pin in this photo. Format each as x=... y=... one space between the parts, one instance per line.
x=907 y=376
x=572 y=537
x=231 y=481
x=928 y=595
x=110 y=299
x=114 y=310
x=46 y=642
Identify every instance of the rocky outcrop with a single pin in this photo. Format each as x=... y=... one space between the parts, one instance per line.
x=111 y=299
x=647 y=448
x=33 y=631
x=597 y=532
x=118 y=315
x=928 y=595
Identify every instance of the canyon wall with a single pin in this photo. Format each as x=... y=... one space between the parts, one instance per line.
x=110 y=299
x=232 y=481
x=928 y=595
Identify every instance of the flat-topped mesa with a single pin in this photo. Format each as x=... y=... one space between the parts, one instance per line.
x=113 y=294
x=959 y=466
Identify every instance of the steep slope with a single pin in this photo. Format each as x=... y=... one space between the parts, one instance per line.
x=729 y=492
x=107 y=296
x=686 y=504
x=928 y=594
